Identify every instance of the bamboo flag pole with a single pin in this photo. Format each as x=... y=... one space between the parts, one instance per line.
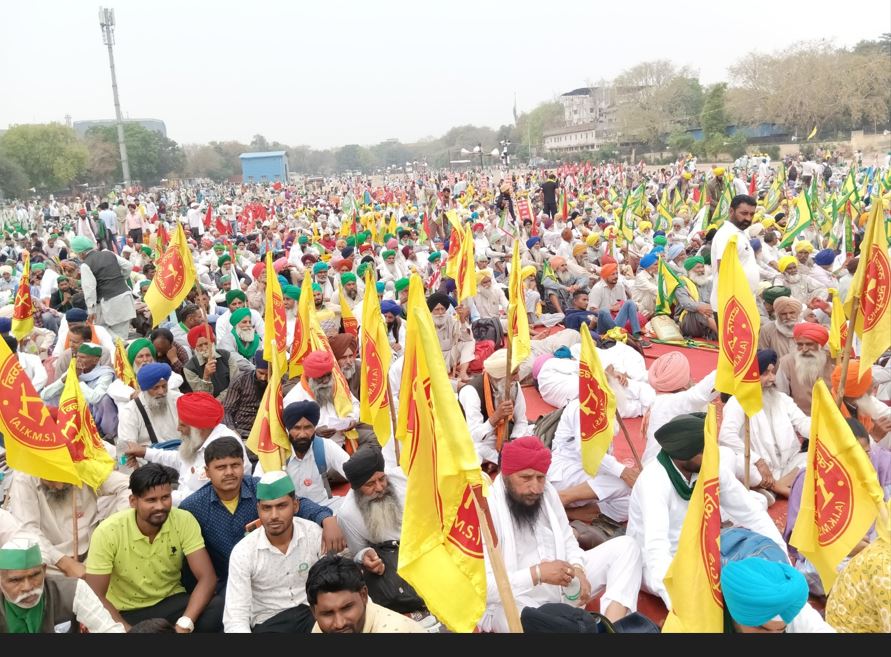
x=511 y=612
x=392 y=419
x=748 y=451
x=630 y=444
x=846 y=356
x=76 y=549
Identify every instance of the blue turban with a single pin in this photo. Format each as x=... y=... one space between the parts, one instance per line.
x=825 y=257
x=346 y=252
x=658 y=233
x=532 y=241
x=5 y=325
x=648 y=260
x=259 y=362
x=600 y=220
x=283 y=281
x=296 y=411
x=380 y=286
x=755 y=243
x=391 y=307
x=563 y=352
x=150 y=374
x=76 y=315
x=674 y=251
x=757 y=590
x=474 y=215
x=766 y=357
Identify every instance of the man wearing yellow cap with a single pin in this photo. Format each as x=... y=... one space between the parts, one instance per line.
x=804 y=288
x=715 y=188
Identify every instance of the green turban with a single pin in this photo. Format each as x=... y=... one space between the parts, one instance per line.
x=347 y=277
x=81 y=243
x=660 y=240
x=225 y=278
x=433 y=257
x=401 y=284
x=692 y=261
x=303 y=239
x=38 y=266
x=239 y=315
x=361 y=269
x=90 y=349
x=387 y=253
x=362 y=237
x=316 y=287
x=223 y=259
x=231 y=295
x=351 y=241
x=774 y=292
x=388 y=236
x=291 y=291
x=683 y=437
x=146 y=250
x=138 y=345
x=319 y=266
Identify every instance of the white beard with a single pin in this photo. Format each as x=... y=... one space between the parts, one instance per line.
x=246 y=335
x=155 y=404
x=27 y=594
x=793 y=279
x=809 y=368
x=382 y=516
x=323 y=394
x=348 y=370
x=785 y=329
x=700 y=279
x=869 y=405
x=191 y=444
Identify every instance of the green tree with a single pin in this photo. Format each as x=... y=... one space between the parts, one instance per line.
x=152 y=156
x=681 y=142
x=353 y=157
x=50 y=154
x=713 y=118
x=13 y=179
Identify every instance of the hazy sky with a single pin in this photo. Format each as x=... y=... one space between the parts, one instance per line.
x=336 y=72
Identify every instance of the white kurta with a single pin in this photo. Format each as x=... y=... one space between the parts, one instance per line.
x=353 y=524
x=668 y=406
x=558 y=381
x=131 y=427
x=306 y=476
x=481 y=431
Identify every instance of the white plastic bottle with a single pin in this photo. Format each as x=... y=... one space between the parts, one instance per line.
x=572 y=591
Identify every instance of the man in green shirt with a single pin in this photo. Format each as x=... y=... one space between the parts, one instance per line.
x=136 y=557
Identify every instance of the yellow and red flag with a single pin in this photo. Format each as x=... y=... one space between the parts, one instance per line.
x=23 y=310
x=841 y=495
x=838 y=326
x=693 y=580
x=376 y=357
x=122 y=368
x=441 y=550
x=872 y=287
x=740 y=325
x=300 y=346
x=75 y=421
x=268 y=438
x=597 y=406
x=517 y=317
x=275 y=318
x=350 y=324
x=174 y=277
x=34 y=444
x=466 y=280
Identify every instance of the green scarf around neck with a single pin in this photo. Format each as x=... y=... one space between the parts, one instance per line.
x=680 y=484
x=246 y=349
x=25 y=621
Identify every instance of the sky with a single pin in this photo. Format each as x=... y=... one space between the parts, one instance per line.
x=337 y=72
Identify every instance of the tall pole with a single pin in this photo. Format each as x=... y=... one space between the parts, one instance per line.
x=106 y=22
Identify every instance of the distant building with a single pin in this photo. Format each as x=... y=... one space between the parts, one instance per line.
x=155 y=125
x=270 y=166
x=589 y=117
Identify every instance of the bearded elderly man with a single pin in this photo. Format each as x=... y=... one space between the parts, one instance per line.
x=766 y=300
x=861 y=404
x=488 y=401
x=798 y=371
x=236 y=299
x=200 y=417
x=35 y=604
x=779 y=335
x=559 y=287
x=541 y=553
x=490 y=302
x=140 y=352
x=151 y=416
x=345 y=347
x=776 y=455
x=339 y=417
x=454 y=333
x=350 y=288
x=210 y=369
x=239 y=336
x=693 y=312
x=643 y=291
x=803 y=287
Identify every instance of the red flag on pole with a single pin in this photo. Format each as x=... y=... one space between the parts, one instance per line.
x=752 y=186
x=222 y=226
x=208 y=216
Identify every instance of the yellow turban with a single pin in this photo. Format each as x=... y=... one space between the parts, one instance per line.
x=527 y=271
x=768 y=222
x=593 y=239
x=644 y=225
x=719 y=171
x=804 y=246
x=578 y=250
x=483 y=274
x=687 y=175
x=785 y=261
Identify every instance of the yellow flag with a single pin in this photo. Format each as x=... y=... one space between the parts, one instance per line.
x=34 y=444
x=174 y=277
x=466 y=279
x=347 y=318
x=441 y=551
x=275 y=317
x=693 y=580
x=376 y=358
x=300 y=346
x=841 y=495
x=23 y=309
x=75 y=421
x=838 y=327
x=597 y=406
x=872 y=287
x=391 y=227
x=812 y=134
x=517 y=317
x=122 y=368
x=740 y=325
x=268 y=438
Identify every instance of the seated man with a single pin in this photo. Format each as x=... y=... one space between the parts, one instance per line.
x=455 y=335
x=861 y=404
x=170 y=352
x=779 y=335
x=661 y=495
x=693 y=312
x=338 y=417
x=239 y=335
x=266 y=589
x=559 y=287
x=226 y=506
x=98 y=334
x=46 y=512
x=136 y=558
x=643 y=290
x=489 y=301
x=776 y=455
x=77 y=336
x=313 y=459
x=798 y=371
x=36 y=604
x=243 y=396
x=235 y=299
x=209 y=369
x=151 y=416
x=489 y=400
x=189 y=317
x=140 y=352
x=338 y=599
x=200 y=417
x=613 y=305
x=345 y=347
x=766 y=299
x=541 y=554
x=578 y=314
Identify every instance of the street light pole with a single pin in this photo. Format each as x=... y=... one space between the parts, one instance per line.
x=480 y=147
x=106 y=22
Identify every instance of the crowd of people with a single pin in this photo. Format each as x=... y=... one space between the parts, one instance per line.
x=188 y=533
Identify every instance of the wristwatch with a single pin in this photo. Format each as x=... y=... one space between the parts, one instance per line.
x=186 y=623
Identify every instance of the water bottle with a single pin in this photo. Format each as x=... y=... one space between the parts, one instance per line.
x=572 y=591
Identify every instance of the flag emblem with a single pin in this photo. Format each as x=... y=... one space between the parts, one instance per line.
x=465 y=533
x=593 y=418
x=833 y=496
x=170 y=274
x=875 y=298
x=71 y=428
x=710 y=532
x=739 y=341
x=376 y=385
x=30 y=422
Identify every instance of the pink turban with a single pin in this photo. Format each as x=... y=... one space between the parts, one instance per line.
x=392 y=243
x=522 y=453
x=538 y=363
x=279 y=264
x=317 y=364
x=670 y=372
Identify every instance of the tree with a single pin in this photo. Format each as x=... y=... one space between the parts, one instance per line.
x=713 y=118
x=353 y=157
x=50 y=154
x=681 y=142
x=152 y=156
x=259 y=144
x=13 y=179
x=104 y=160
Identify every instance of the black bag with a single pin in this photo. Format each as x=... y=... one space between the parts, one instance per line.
x=546 y=426
x=489 y=329
x=390 y=590
x=556 y=617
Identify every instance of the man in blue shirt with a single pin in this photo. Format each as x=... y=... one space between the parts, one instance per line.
x=226 y=507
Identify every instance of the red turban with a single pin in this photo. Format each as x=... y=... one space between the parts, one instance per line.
x=811 y=331
x=257 y=270
x=200 y=410
x=522 y=453
x=202 y=330
x=608 y=270
x=607 y=259
x=318 y=364
x=853 y=387
x=670 y=372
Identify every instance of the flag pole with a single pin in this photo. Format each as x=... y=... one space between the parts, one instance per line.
x=504 y=591
x=392 y=419
x=507 y=391
x=74 y=521
x=748 y=452
x=846 y=356
x=628 y=439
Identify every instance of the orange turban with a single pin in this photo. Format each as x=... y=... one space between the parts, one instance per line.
x=812 y=331
x=317 y=364
x=853 y=387
x=608 y=270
